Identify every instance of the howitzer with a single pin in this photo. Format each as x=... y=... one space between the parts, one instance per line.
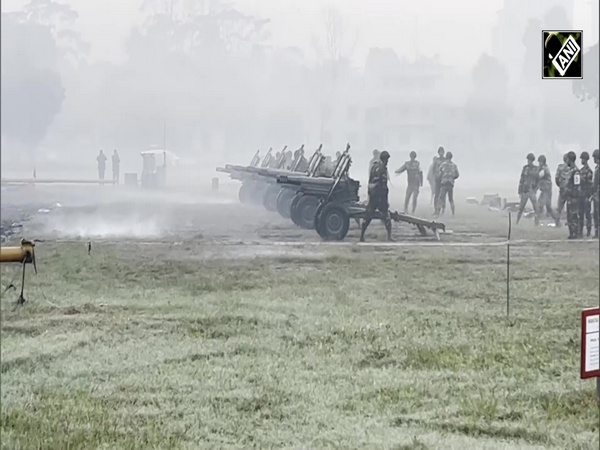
x=309 y=191
x=334 y=212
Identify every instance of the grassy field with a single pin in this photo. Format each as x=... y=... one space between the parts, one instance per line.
x=195 y=346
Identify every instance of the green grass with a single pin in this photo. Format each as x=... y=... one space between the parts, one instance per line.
x=408 y=348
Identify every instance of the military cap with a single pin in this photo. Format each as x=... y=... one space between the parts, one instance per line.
x=413 y=154
x=531 y=157
x=585 y=156
x=384 y=155
x=449 y=155
x=542 y=158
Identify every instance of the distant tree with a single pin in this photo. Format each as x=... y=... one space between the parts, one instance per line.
x=32 y=92
x=59 y=19
x=586 y=89
x=337 y=47
x=487 y=107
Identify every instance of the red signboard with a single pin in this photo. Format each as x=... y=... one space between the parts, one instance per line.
x=590 y=343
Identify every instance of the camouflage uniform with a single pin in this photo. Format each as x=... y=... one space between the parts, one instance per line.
x=562 y=172
x=596 y=194
x=448 y=173
x=545 y=184
x=585 y=206
x=572 y=194
x=528 y=185
x=415 y=181
x=378 y=198
x=435 y=170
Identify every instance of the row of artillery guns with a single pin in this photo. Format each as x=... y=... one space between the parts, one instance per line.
x=312 y=196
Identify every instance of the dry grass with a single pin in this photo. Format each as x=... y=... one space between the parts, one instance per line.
x=353 y=347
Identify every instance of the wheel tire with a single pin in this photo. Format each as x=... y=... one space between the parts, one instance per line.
x=294 y=215
x=258 y=192
x=284 y=202
x=333 y=222
x=304 y=212
x=245 y=193
x=270 y=198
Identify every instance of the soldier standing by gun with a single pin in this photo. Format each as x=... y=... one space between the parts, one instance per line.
x=415 y=180
x=545 y=184
x=572 y=195
x=560 y=178
x=596 y=192
x=378 y=196
x=587 y=190
x=528 y=185
x=435 y=171
x=374 y=159
x=448 y=173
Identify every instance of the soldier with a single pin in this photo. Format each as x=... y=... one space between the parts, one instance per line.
x=116 y=163
x=374 y=159
x=587 y=190
x=448 y=173
x=545 y=185
x=431 y=180
x=378 y=195
x=528 y=185
x=415 y=180
x=560 y=179
x=274 y=161
x=596 y=192
x=101 y=160
x=572 y=195
x=435 y=173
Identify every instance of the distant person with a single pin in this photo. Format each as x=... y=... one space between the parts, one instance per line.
x=116 y=163
x=374 y=159
x=431 y=179
x=545 y=185
x=435 y=170
x=596 y=192
x=587 y=190
x=448 y=173
x=101 y=159
x=572 y=195
x=528 y=186
x=415 y=180
x=560 y=178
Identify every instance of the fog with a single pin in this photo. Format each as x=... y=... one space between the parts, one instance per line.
x=214 y=81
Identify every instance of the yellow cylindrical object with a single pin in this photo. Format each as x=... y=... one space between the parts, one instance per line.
x=24 y=253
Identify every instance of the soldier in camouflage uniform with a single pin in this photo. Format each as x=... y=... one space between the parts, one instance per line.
x=545 y=185
x=448 y=173
x=378 y=195
x=572 y=194
x=415 y=180
x=587 y=189
x=560 y=178
x=434 y=171
x=374 y=159
x=596 y=192
x=528 y=185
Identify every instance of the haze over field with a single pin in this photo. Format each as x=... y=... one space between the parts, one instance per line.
x=226 y=78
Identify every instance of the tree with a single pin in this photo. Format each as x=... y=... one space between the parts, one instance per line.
x=32 y=91
x=337 y=49
x=586 y=89
x=59 y=19
x=487 y=107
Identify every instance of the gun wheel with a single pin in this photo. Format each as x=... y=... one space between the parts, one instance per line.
x=333 y=222
x=303 y=213
x=245 y=193
x=284 y=202
x=270 y=198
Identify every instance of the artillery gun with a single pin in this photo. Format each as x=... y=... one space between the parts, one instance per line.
x=309 y=190
x=337 y=202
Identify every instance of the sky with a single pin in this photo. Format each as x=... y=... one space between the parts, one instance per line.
x=459 y=30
